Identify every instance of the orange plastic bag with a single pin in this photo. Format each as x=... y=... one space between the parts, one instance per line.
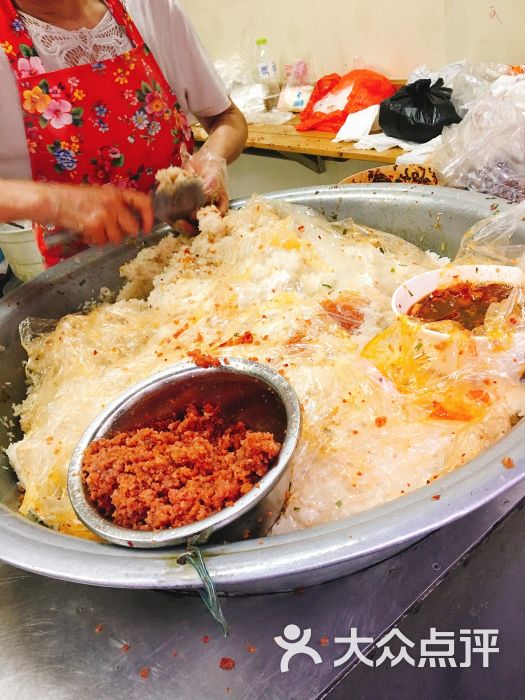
x=335 y=97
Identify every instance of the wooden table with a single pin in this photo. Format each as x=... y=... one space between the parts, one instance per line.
x=306 y=147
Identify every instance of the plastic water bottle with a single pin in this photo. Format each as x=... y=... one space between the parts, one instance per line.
x=267 y=74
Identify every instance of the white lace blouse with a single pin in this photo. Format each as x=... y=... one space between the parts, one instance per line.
x=163 y=26
x=64 y=48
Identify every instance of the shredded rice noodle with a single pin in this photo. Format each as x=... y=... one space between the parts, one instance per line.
x=280 y=285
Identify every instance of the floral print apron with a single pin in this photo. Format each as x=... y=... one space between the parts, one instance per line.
x=112 y=122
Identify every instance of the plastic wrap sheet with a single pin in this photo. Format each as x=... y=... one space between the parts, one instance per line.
x=384 y=408
x=492 y=240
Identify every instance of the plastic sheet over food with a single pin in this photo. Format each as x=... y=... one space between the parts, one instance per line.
x=492 y=240
x=386 y=408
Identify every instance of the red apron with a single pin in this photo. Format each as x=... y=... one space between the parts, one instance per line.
x=113 y=122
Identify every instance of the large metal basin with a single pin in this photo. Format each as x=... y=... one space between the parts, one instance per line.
x=431 y=217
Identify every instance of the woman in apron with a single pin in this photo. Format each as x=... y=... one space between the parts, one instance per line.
x=101 y=128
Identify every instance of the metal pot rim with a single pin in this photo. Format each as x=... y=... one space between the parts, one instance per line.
x=303 y=557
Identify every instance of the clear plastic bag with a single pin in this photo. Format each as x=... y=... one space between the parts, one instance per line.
x=486 y=152
x=234 y=71
x=298 y=85
x=491 y=240
x=473 y=82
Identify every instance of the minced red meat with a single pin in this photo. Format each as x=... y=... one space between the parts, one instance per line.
x=176 y=472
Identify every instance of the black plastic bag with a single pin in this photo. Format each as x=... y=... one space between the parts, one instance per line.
x=418 y=111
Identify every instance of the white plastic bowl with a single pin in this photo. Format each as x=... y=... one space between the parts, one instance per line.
x=416 y=288
x=20 y=250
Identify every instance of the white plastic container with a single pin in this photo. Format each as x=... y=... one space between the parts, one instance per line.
x=416 y=288
x=431 y=341
x=18 y=244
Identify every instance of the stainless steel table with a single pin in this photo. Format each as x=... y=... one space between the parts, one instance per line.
x=60 y=640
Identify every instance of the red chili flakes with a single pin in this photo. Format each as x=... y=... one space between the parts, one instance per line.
x=300 y=589
x=345 y=309
x=380 y=421
x=181 y=330
x=436 y=498
x=99 y=628
x=125 y=647
x=300 y=228
x=202 y=360
x=226 y=663
x=174 y=652
x=251 y=649
x=206 y=639
x=324 y=641
x=245 y=339
x=144 y=672
x=508 y=462
x=95 y=352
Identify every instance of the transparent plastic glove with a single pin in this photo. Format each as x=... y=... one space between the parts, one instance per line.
x=213 y=170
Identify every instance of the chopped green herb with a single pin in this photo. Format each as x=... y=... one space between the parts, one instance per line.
x=408 y=290
x=419 y=346
x=381 y=249
x=327 y=285
x=296 y=508
x=339 y=503
x=392 y=269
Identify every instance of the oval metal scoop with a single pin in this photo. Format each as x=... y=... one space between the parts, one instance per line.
x=244 y=390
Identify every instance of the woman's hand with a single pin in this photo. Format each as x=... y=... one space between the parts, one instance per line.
x=98 y=214
x=227 y=133
x=212 y=169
